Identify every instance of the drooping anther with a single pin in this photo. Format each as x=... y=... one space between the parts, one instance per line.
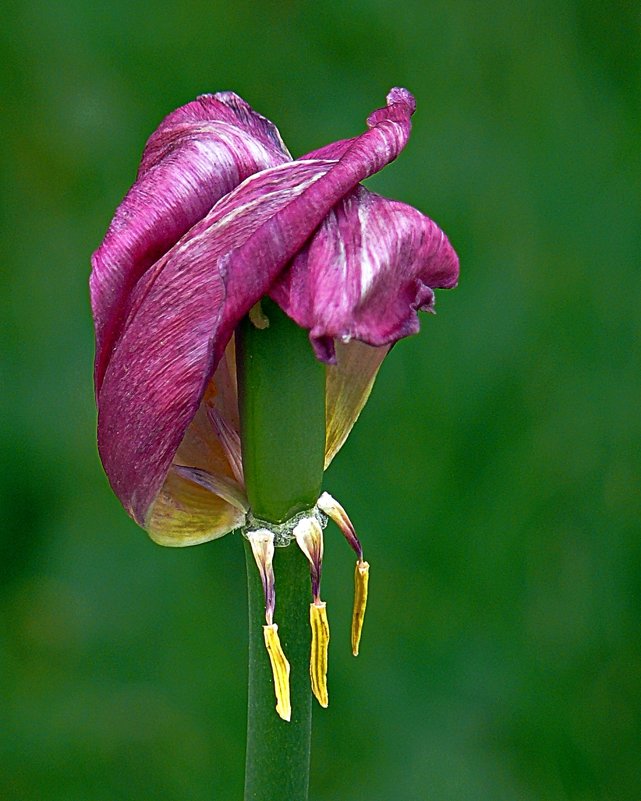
x=262 y=545
x=335 y=511
x=318 y=659
x=280 y=671
x=361 y=581
x=309 y=537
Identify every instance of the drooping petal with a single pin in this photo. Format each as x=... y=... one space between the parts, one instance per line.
x=201 y=499
x=199 y=153
x=364 y=274
x=347 y=388
x=183 y=311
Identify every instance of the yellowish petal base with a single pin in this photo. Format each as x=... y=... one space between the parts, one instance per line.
x=280 y=671
x=318 y=660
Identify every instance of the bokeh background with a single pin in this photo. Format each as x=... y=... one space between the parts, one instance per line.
x=494 y=475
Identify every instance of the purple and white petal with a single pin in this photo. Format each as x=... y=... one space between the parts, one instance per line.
x=183 y=311
x=199 y=153
x=366 y=272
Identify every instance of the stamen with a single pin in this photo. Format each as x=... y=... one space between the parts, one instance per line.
x=333 y=509
x=361 y=581
x=318 y=660
x=309 y=536
x=280 y=671
x=262 y=545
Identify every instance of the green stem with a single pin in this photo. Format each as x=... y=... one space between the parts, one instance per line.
x=278 y=753
x=281 y=399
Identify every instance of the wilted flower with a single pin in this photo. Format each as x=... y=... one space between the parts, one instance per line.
x=219 y=217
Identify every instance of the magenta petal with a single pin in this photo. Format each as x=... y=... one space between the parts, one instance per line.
x=184 y=310
x=400 y=106
x=368 y=269
x=198 y=154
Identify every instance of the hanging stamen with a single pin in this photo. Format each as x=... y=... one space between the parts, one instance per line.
x=333 y=509
x=309 y=537
x=262 y=545
x=361 y=580
x=280 y=671
x=318 y=659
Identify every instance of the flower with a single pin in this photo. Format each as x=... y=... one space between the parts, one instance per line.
x=219 y=217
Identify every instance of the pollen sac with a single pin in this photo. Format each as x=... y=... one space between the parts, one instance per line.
x=361 y=581
x=280 y=671
x=318 y=660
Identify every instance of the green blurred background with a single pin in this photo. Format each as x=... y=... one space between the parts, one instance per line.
x=494 y=475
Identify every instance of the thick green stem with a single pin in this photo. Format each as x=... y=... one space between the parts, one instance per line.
x=278 y=753
x=281 y=398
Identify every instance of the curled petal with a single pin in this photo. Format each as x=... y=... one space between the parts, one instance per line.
x=368 y=269
x=184 y=310
x=199 y=153
x=400 y=105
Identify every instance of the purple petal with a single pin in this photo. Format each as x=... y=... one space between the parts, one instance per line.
x=400 y=103
x=368 y=269
x=199 y=153
x=184 y=310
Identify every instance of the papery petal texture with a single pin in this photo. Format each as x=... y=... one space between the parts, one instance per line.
x=199 y=153
x=366 y=272
x=169 y=293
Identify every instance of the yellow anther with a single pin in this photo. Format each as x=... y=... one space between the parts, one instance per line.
x=280 y=671
x=361 y=580
x=318 y=660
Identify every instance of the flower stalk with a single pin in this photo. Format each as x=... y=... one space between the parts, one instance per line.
x=281 y=396
x=224 y=263
x=278 y=752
